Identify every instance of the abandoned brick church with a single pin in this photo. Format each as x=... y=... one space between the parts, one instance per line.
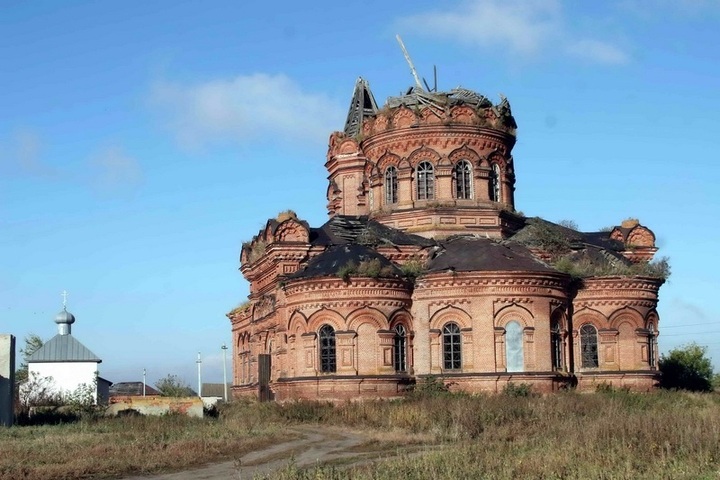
x=425 y=268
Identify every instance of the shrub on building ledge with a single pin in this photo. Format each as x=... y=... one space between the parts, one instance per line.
x=611 y=267
x=366 y=268
x=413 y=268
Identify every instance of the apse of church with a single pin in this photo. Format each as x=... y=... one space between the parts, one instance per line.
x=425 y=268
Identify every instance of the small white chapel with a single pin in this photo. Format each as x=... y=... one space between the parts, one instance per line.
x=68 y=365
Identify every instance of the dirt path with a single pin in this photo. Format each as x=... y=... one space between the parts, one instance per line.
x=316 y=445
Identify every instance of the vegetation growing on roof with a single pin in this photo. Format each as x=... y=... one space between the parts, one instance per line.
x=549 y=237
x=571 y=224
x=584 y=267
x=366 y=268
x=257 y=249
x=286 y=215
x=240 y=307
x=413 y=268
x=344 y=272
x=569 y=252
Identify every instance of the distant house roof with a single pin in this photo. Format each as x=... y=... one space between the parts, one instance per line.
x=63 y=348
x=131 y=389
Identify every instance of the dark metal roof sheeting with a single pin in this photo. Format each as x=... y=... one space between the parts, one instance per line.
x=328 y=263
x=466 y=254
x=528 y=235
x=344 y=229
x=63 y=348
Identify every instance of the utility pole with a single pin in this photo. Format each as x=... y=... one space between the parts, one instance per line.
x=199 y=364
x=144 y=382
x=224 y=349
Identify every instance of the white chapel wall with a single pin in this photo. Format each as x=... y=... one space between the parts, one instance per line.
x=67 y=376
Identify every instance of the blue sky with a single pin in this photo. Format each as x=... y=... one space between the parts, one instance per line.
x=142 y=142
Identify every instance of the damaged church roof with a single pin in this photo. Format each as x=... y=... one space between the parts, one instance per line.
x=363 y=104
x=340 y=260
x=552 y=237
x=344 y=229
x=467 y=253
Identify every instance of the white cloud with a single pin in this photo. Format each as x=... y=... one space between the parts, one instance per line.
x=20 y=154
x=113 y=169
x=245 y=107
x=597 y=51
x=518 y=26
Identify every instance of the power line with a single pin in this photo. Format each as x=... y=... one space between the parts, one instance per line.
x=691 y=325
x=687 y=333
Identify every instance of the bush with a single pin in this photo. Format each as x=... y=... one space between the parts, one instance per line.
x=518 y=389
x=413 y=268
x=687 y=368
x=430 y=386
x=173 y=386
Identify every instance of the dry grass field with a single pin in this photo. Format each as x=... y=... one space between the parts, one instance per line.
x=611 y=434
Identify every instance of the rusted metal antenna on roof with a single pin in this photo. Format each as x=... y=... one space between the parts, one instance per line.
x=409 y=61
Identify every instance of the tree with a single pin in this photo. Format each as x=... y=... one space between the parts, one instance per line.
x=33 y=343
x=173 y=386
x=687 y=368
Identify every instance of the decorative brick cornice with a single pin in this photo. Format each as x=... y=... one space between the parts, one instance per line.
x=449 y=302
x=615 y=303
x=323 y=291
x=624 y=283
x=310 y=307
x=404 y=141
x=493 y=282
x=618 y=291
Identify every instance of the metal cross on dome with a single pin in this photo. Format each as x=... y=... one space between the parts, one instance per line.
x=64 y=294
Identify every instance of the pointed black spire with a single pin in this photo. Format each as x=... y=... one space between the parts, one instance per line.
x=362 y=105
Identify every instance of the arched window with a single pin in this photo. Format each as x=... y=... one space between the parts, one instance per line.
x=494 y=184
x=556 y=345
x=400 y=350
x=425 y=181
x=651 y=346
x=391 y=185
x=452 y=347
x=588 y=346
x=326 y=336
x=514 y=347
x=463 y=180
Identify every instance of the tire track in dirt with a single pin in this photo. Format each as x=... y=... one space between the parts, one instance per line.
x=315 y=446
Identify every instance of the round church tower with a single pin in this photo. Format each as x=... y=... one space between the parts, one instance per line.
x=430 y=163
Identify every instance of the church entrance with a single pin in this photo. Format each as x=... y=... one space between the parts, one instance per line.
x=264 y=393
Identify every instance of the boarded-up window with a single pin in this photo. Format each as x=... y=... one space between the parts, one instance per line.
x=514 y=347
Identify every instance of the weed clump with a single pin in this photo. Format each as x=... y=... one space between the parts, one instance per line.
x=518 y=390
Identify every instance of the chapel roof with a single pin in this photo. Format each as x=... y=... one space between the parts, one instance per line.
x=63 y=348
